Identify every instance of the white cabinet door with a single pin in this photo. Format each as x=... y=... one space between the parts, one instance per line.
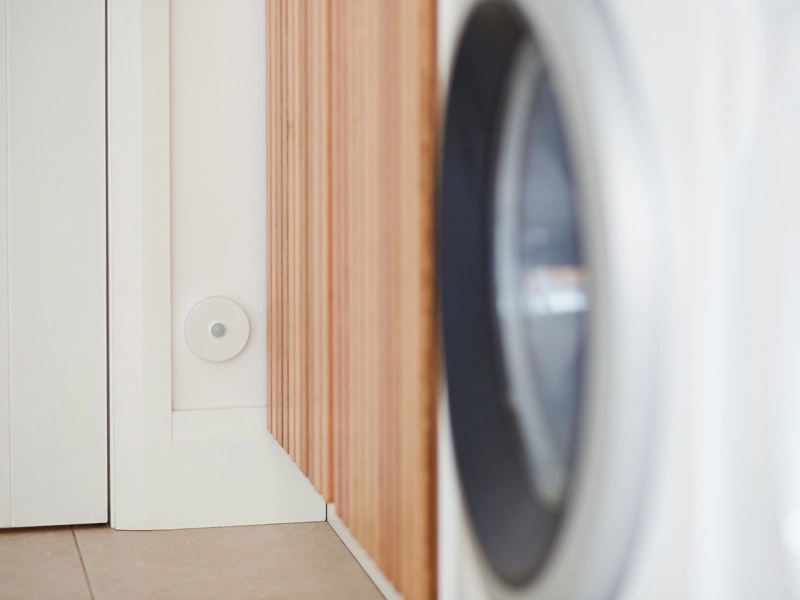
x=53 y=392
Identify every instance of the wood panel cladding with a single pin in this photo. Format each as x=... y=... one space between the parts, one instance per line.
x=299 y=233
x=382 y=116
x=352 y=363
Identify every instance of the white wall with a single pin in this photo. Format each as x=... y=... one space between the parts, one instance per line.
x=218 y=145
x=187 y=162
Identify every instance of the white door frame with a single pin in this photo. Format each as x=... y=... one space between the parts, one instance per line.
x=169 y=469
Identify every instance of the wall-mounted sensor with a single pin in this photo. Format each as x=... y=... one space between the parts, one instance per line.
x=217 y=329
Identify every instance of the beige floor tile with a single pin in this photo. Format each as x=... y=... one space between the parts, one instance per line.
x=274 y=561
x=40 y=563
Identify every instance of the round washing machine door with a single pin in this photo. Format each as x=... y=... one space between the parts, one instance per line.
x=548 y=249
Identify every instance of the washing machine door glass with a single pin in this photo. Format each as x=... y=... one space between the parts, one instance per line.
x=539 y=278
x=513 y=292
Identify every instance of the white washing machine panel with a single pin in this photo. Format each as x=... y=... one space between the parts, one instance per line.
x=552 y=275
x=599 y=164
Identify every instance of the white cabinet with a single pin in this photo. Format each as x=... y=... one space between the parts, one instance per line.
x=53 y=425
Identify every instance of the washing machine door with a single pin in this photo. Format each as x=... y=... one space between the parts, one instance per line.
x=540 y=403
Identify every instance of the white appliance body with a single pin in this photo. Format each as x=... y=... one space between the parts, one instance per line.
x=681 y=120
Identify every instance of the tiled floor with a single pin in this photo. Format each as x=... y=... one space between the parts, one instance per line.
x=305 y=560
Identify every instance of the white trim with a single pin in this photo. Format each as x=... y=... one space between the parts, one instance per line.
x=220 y=424
x=139 y=290
x=210 y=473
x=228 y=470
x=5 y=387
x=374 y=572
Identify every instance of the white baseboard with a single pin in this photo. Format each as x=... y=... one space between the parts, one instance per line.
x=225 y=469
x=374 y=572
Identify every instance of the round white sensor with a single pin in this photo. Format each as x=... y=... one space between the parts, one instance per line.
x=217 y=329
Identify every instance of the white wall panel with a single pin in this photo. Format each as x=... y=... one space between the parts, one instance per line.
x=218 y=221
x=187 y=219
x=56 y=263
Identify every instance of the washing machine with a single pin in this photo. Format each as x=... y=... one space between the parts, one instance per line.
x=764 y=267
x=593 y=423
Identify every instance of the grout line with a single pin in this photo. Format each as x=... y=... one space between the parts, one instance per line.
x=83 y=564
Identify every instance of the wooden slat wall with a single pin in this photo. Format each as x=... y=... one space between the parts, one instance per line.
x=299 y=257
x=351 y=164
x=320 y=374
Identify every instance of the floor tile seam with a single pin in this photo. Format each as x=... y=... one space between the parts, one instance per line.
x=83 y=564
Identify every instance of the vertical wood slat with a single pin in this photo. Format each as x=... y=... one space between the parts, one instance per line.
x=298 y=362
x=382 y=127
x=272 y=91
x=341 y=289
x=351 y=362
x=319 y=337
x=294 y=198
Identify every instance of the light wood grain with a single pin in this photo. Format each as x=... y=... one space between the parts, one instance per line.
x=352 y=367
x=299 y=254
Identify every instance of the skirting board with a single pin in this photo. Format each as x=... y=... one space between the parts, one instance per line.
x=226 y=469
x=244 y=478
x=374 y=572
